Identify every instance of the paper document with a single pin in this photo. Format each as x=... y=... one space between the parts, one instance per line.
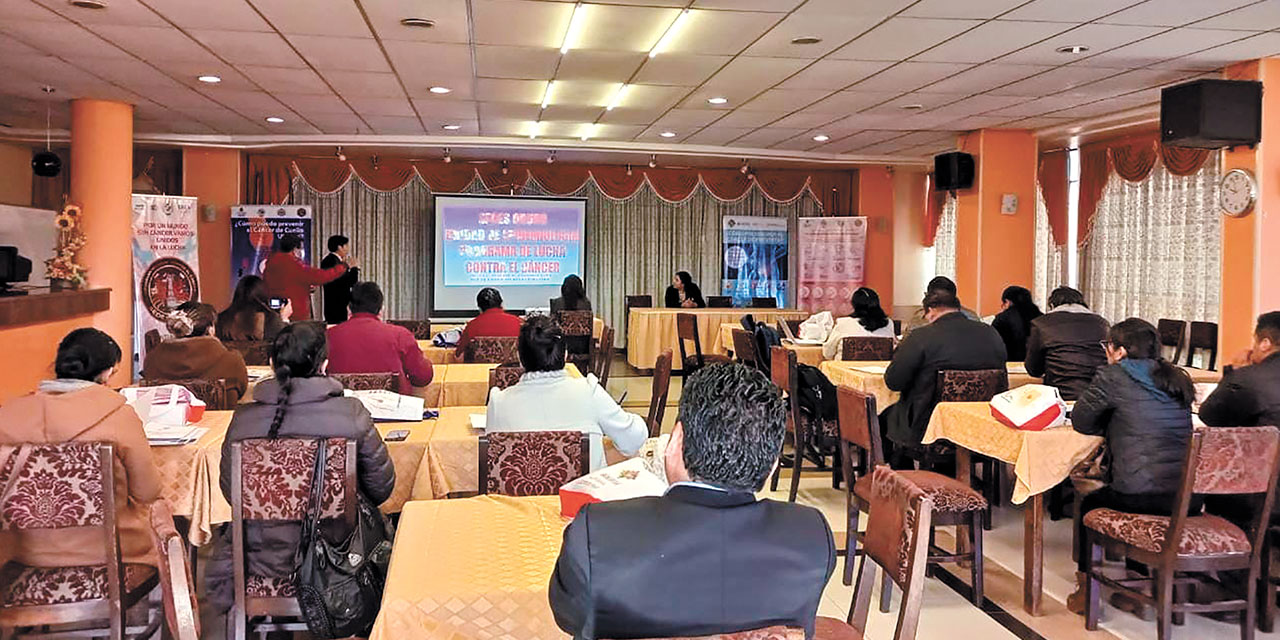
x=803 y=343
x=159 y=435
x=478 y=421
x=389 y=405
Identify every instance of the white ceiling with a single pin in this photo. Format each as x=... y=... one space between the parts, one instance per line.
x=348 y=67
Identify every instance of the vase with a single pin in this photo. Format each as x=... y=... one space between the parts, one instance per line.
x=60 y=284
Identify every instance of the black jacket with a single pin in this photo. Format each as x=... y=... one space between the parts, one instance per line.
x=1013 y=331
x=691 y=292
x=1065 y=347
x=694 y=562
x=1147 y=431
x=337 y=292
x=1246 y=397
x=950 y=342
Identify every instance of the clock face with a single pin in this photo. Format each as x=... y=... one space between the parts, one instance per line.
x=1237 y=193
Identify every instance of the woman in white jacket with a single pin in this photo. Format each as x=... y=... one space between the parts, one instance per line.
x=547 y=399
x=867 y=319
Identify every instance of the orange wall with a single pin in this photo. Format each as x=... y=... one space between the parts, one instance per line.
x=213 y=176
x=29 y=351
x=875 y=201
x=15 y=174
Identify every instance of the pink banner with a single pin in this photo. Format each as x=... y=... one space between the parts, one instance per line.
x=832 y=250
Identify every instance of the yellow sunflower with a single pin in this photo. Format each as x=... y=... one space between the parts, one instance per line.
x=71 y=210
x=64 y=221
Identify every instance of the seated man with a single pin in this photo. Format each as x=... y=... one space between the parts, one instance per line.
x=1065 y=345
x=366 y=344
x=707 y=557
x=949 y=341
x=493 y=321
x=936 y=285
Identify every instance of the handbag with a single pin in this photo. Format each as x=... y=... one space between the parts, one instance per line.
x=340 y=585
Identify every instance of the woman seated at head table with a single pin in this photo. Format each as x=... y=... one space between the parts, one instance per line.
x=546 y=398
x=78 y=407
x=1141 y=404
x=684 y=293
x=867 y=320
x=299 y=401
x=195 y=353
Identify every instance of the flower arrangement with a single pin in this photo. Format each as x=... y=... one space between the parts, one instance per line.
x=63 y=266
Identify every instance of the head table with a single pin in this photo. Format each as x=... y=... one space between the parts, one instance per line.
x=445 y=355
x=650 y=330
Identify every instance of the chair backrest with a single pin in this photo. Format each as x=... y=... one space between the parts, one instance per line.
x=368 y=381
x=719 y=302
x=658 y=396
x=744 y=347
x=214 y=393
x=532 y=463
x=639 y=301
x=898 y=523
x=151 y=339
x=505 y=375
x=767 y=633
x=1203 y=335
x=687 y=329
x=782 y=371
x=421 y=329
x=859 y=424
x=177 y=585
x=575 y=323
x=604 y=355
x=1172 y=333
x=866 y=348
x=897 y=327
x=978 y=385
x=271 y=478
x=493 y=350
x=256 y=353
x=764 y=303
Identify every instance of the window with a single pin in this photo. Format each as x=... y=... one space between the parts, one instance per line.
x=944 y=243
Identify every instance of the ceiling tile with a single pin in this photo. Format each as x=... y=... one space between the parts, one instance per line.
x=833 y=74
x=1131 y=81
x=466 y=126
x=901 y=38
x=767 y=137
x=332 y=53
x=121 y=12
x=581 y=92
x=680 y=69
x=508 y=111
x=422 y=62
x=617 y=131
x=688 y=118
x=499 y=90
x=507 y=128
x=991 y=40
x=591 y=64
x=1075 y=11
x=973 y=123
x=1098 y=37
x=747 y=118
x=981 y=9
x=786 y=99
x=318 y=18
x=1164 y=46
x=430 y=108
x=909 y=76
x=1250 y=18
x=571 y=113
x=801 y=143
x=522 y=24
x=877 y=8
x=634 y=115
x=312 y=106
x=450 y=17
x=250 y=47
x=846 y=102
x=805 y=120
x=370 y=85
x=1053 y=81
x=181 y=99
x=1263 y=45
x=979 y=104
x=339 y=123
x=834 y=31
x=623 y=28
x=248 y=103
x=392 y=125
x=862 y=139
x=231 y=16
x=744 y=77
x=286 y=80
x=382 y=106
x=64 y=38
x=650 y=97
x=777 y=6
x=27 y=11
x=1040 y=106
x=157 y=44
x=1039 y=122
x=716 y=135
x=127 y=72
x=985 y=77
x=719 y=32
x=516 y=62
x=1172 y=13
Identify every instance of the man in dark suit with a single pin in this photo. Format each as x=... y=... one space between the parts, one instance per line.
x=707 y=557
x=949 y=341
x=337 y=293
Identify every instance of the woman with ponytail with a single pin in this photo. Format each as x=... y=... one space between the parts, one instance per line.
x=1141 y=404
x=300 y=401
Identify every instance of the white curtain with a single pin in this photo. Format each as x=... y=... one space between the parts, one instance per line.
x=1050 y=257
x=944 y=243
x=1155 y=250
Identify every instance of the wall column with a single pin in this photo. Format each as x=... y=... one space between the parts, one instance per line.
x=875 y=201
x=213 y=176
x=101 y=161
x=995 y=250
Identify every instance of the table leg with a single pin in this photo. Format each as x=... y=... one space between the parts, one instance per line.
x=1033 y=555
x=963 y=463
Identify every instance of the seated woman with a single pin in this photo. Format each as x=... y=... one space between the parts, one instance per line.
x=195 y=353
x=1013 y=323
x=250 y=316
x=77 y=407
x=573 y=296
x=684 y=292
x=1141 y=404
x=867 y=320
x=299 y=402
x=547 y=399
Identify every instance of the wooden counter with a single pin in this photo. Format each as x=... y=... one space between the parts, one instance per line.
x=49 y=307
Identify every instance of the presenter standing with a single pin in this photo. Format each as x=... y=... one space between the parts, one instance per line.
x=337 y=293
x=287 y=276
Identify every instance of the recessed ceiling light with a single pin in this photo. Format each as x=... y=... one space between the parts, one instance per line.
x=717 y=100
x=275 y=119
x=1073 y=49
x=422 y=23
x=575 y=25
x=806 y=40
x=451 y=127
x=668 y=134
x=440 y=90
x=821 y=137
x=89 y=4
x=209 y=79
x=913 y=107
x=669 y=34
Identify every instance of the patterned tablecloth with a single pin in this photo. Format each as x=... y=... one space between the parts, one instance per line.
x=1040 y=459
x=868 y=377
x=473 y=568
x=464 y=385
x=445 y=355
x=809 y=354
x=650 y=330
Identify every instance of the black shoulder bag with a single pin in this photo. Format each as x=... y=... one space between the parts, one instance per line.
x=340 y=585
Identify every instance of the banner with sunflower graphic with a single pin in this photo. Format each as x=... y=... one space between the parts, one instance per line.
x=165 y=262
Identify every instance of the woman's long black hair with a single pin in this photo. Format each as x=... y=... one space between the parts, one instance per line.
x=298 y=351
x=1020 y=299
x=867 y=310
x=573 y=291
x=691 y=290
x=1140 y=341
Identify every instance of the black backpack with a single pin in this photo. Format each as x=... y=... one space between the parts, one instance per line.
x=764 y=337
x=816 y=394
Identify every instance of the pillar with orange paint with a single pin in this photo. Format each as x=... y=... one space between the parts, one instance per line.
x=875 y=201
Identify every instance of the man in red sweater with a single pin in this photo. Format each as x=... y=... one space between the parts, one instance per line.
x=493 y=321
x=366 y=344
x=287 y=276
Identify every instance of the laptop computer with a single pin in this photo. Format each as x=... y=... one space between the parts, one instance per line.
x=791 y=337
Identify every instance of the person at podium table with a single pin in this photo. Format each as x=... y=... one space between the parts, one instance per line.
x=684 y=293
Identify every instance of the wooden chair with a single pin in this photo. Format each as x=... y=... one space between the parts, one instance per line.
x=899 y=519
x=177 y=586
x=1173 y=334
x=802 y=431
x=687 y=330
x=1225 y=461
x=214 y=393
x=864 y=348
x=897 y=327
x=719 y=302
x=1203 y=335
x=492 y=350
x=744 y=347
x=368 y=381
x=256 y=353
x=579 y=346
x=151 y=339
x=532 y=463
x=979 y=385
x=764 y=303
x=604 y=356
x=1269 y=580
x=421 y=329
x=954 y=502
x=81 y=475
x=660 y=390
x=767 y=633
x=634 y=302
x=271 y=481
x=505 y=375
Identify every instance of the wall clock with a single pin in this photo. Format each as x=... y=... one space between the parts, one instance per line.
x=1237 y=193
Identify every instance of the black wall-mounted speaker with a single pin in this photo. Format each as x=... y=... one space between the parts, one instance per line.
x=1211 y=114
x=953 y=171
